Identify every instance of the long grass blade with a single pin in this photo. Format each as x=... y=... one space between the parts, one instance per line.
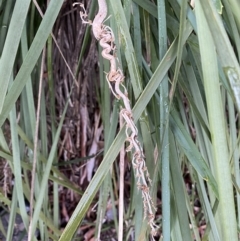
x=11 y=46
x=217 y=127
x=224 y=48
x=30 y=60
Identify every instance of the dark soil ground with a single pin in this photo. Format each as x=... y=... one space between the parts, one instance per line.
x=19 y=232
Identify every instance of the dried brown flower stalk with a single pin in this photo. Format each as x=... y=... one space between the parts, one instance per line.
x=105 y=36
x=7 y=178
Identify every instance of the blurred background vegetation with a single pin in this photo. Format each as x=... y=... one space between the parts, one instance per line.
x=60 y=136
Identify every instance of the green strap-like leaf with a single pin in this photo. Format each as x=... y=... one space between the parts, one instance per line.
x=11 y=46
x=30 y=60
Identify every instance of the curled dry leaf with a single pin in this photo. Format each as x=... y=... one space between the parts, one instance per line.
x=105 y=36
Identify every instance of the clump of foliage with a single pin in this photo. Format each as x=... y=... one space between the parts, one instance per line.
x=60 y=137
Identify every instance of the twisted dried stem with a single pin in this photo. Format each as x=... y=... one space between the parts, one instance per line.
x=105 y=36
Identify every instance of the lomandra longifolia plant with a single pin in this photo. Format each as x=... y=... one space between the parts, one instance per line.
x=105 y=36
